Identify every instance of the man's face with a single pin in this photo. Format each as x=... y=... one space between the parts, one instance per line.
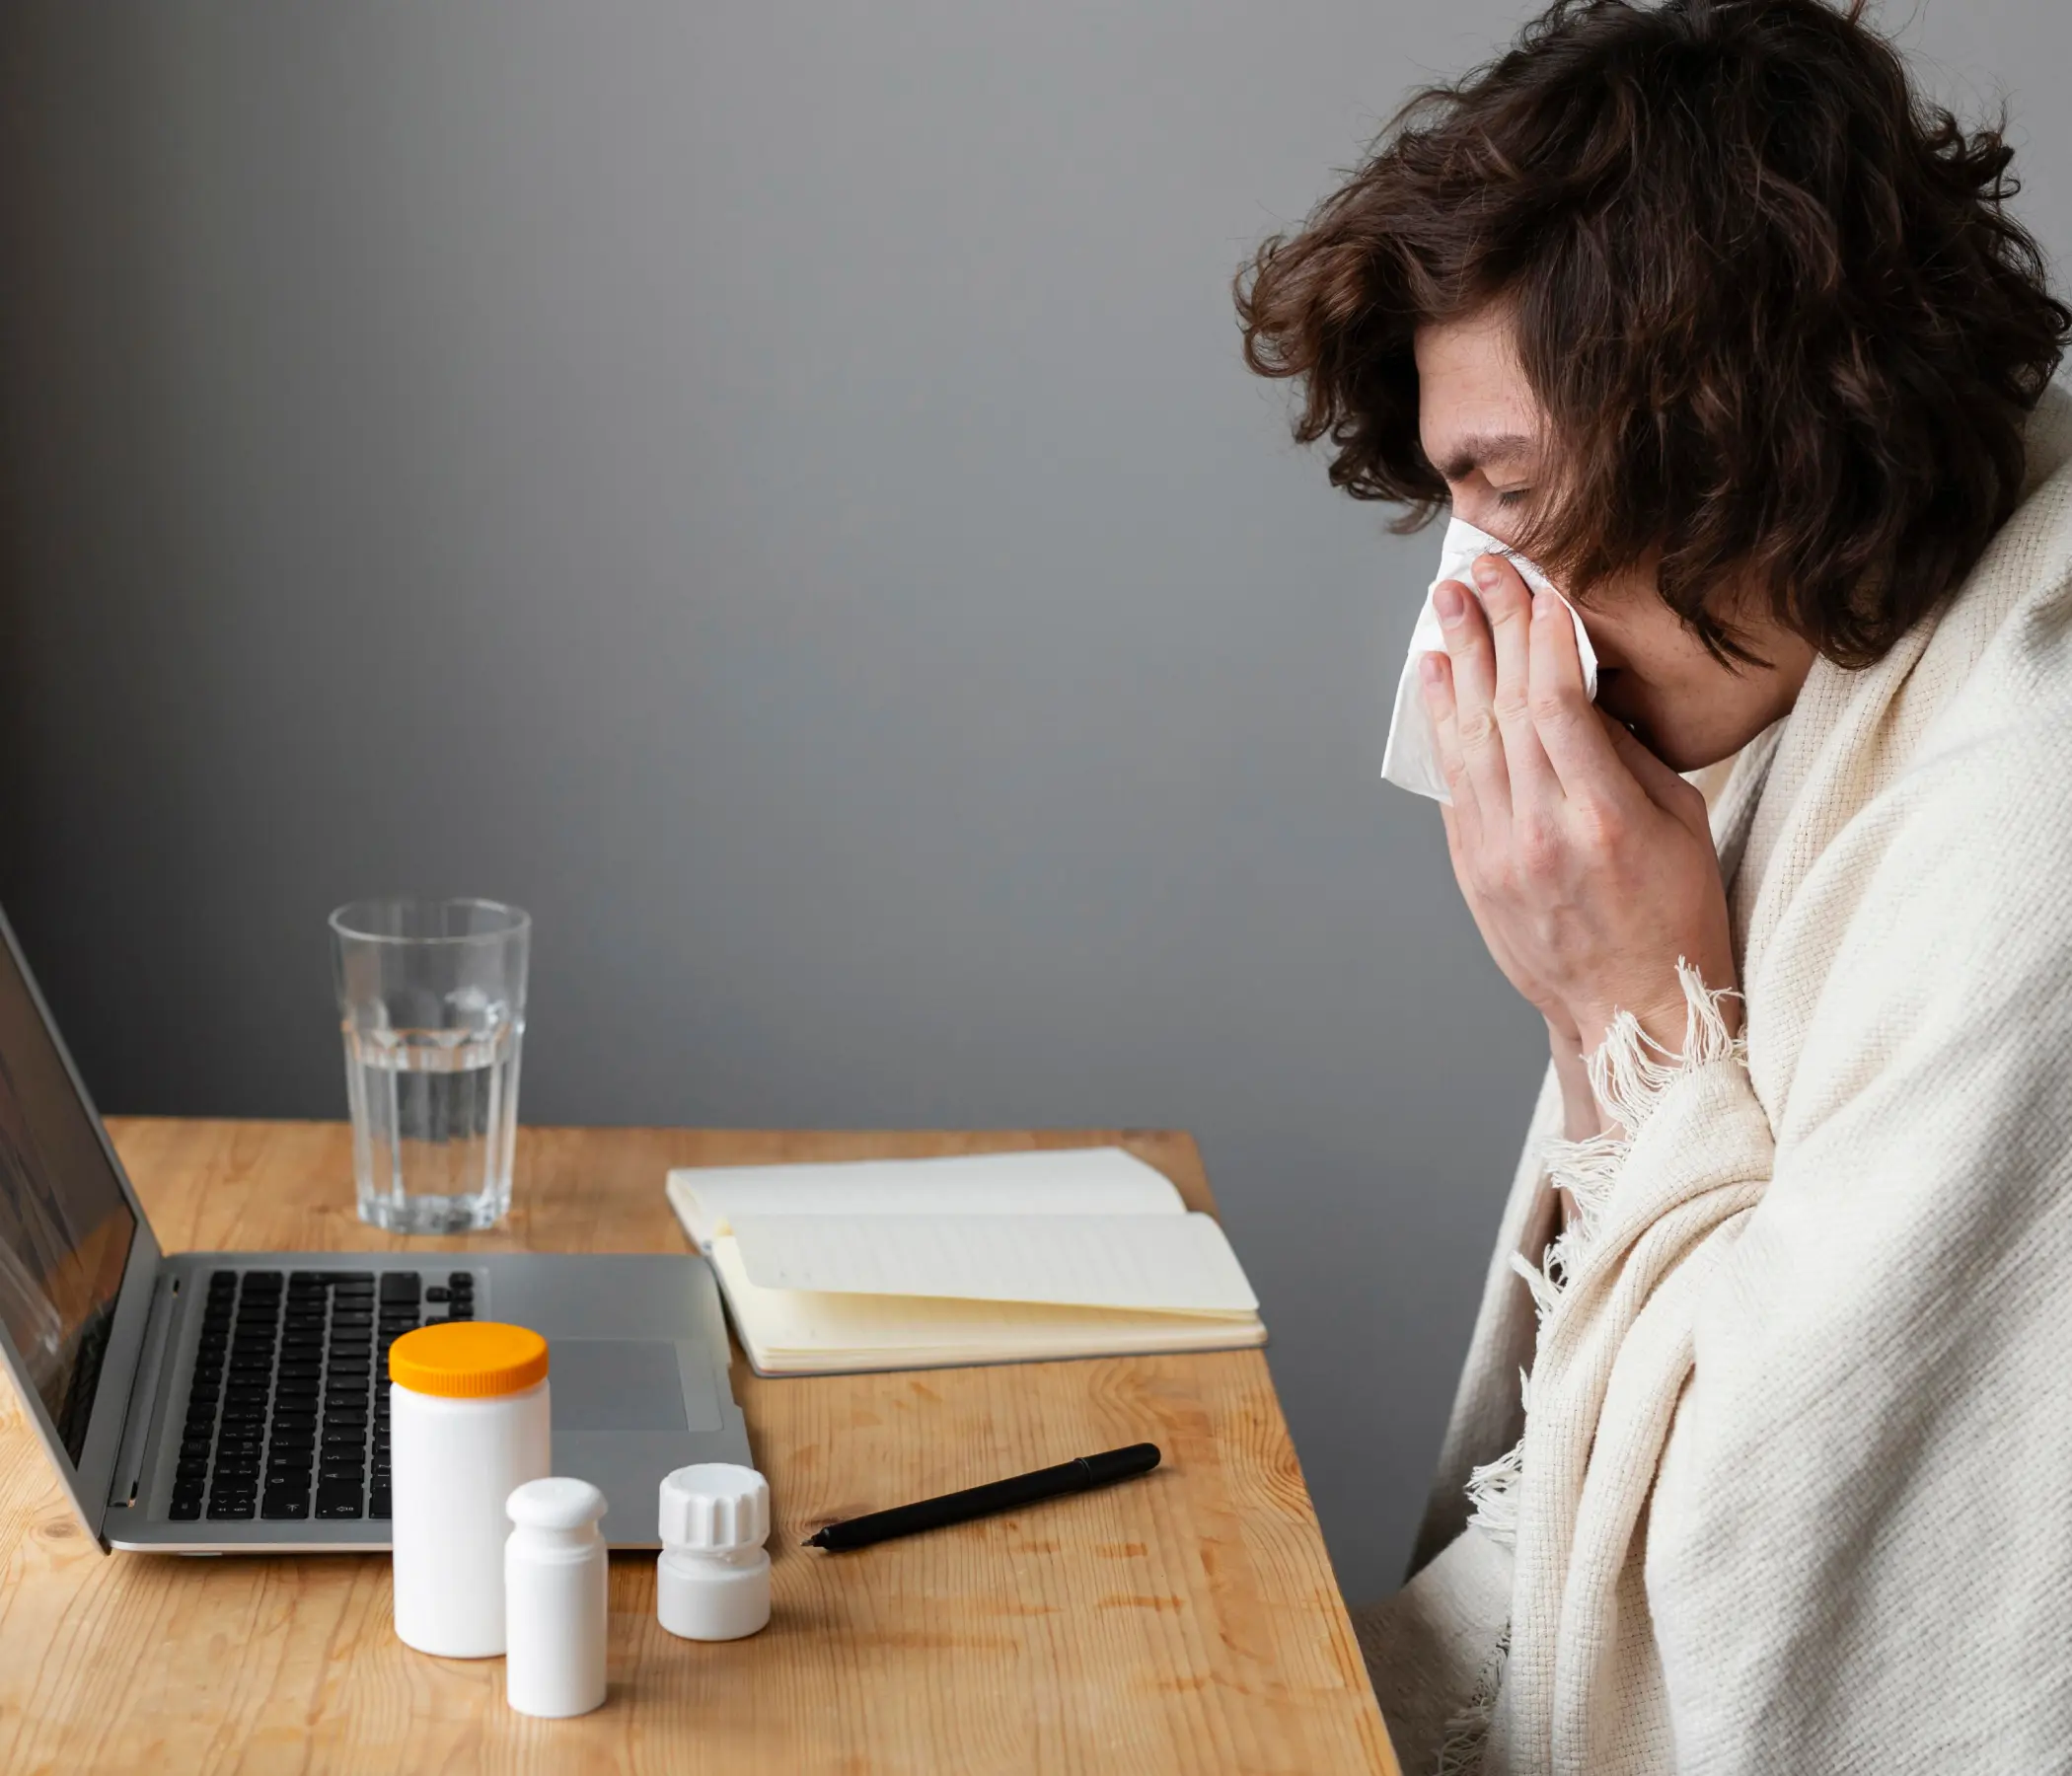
x=1481 y=427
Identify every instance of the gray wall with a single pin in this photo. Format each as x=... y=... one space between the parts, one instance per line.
x=770 y=488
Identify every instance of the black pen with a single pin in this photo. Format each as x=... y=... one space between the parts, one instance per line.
x=1087 y=1472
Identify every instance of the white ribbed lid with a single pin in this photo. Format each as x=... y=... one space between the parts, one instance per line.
x=714 y=1508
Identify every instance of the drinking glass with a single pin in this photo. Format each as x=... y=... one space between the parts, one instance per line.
x=431 y=999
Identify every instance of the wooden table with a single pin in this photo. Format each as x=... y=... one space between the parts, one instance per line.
x=1185 y=1622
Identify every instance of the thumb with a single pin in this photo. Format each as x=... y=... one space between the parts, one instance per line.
x=1663 y=787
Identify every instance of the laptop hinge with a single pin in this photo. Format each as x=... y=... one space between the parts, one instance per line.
x=136 y=1423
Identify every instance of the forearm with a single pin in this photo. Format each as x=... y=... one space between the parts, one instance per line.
x=1581 y=1116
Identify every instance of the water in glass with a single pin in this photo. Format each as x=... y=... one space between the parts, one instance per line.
x=431 y=997
x=440 y=1113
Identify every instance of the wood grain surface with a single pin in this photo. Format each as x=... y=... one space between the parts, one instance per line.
x=1185 y=1622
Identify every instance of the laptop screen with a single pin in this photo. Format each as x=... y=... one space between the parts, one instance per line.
x=65 y=1226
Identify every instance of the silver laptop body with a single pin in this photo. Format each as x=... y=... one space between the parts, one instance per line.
x=145 y=1373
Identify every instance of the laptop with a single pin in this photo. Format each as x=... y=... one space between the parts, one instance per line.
x=237 y=1402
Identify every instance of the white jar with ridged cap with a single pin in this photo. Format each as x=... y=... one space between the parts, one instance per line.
x=712 y=1581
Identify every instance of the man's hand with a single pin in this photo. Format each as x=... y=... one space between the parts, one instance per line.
x=1587 y=861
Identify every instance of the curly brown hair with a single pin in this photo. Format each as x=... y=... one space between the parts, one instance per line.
x=1782 y=328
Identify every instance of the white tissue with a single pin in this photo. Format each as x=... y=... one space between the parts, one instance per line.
x=1412 y=757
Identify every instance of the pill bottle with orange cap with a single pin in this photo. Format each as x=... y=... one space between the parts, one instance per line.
x=469 y=1425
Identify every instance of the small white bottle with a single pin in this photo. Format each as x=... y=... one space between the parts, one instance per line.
x=554 y=1584
x=712 y=1581
x=469 y=1423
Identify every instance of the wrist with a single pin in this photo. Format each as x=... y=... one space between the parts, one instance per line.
x=1664 y=1021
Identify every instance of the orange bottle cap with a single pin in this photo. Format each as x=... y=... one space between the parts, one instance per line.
x=468 y=1360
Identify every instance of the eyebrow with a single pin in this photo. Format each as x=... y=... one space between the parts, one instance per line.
x=1479 y=450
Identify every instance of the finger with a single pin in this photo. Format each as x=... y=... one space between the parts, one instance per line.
x=1474 y=683
x=1506 y=601
x=1569 y=726
x=1435 y=681
x=1448 y=819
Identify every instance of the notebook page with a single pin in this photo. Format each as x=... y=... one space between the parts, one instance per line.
x=797 y=1332
x=1163 y=1263
x=1066 y=1181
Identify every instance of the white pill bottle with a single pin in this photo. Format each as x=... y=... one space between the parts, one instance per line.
x=712 y=1581
x=469 y=1425
x=555 y=1597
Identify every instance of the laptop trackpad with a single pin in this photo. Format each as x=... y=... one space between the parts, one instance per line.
x=627 y=1384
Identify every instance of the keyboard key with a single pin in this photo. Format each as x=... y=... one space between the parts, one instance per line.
x=187 y=1510
x=378 y=1504
x=285 y=1504
x=230 y=1508
x=438 y=1293
x=337 y=1500
x=399 y=1286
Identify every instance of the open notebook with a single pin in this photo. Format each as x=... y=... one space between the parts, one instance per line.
x=979 y=1258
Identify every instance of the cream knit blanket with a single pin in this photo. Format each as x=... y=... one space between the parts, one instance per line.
x=1795 y=1487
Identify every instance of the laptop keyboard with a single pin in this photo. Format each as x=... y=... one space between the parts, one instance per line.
x=288 y=1411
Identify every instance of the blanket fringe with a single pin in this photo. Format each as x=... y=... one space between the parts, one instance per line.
x=1492 y=1488
x=1629 y=1082
x=1465 y=1736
